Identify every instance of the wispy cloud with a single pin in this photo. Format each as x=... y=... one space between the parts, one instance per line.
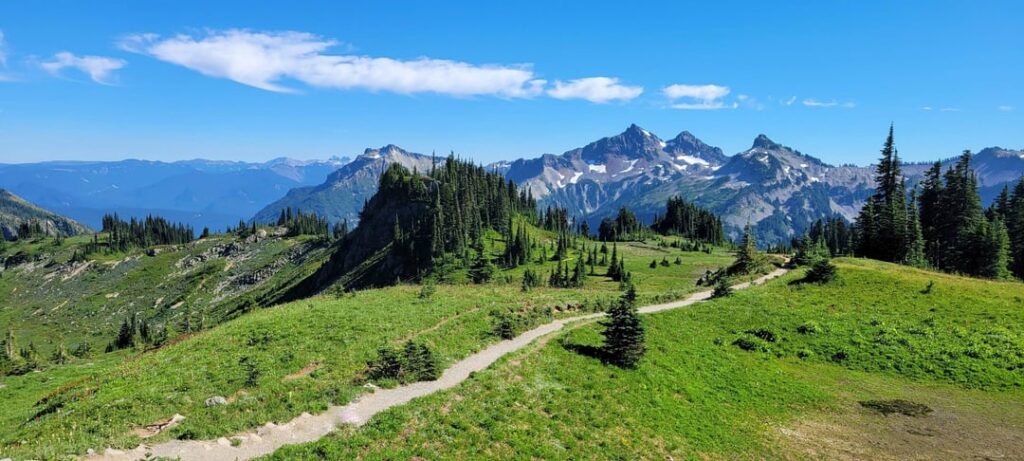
x=1004 y=108
x=3 y=50
x=697 y=97
x=598 y=90
x=264 y=59
x=790 y=101
x=949 y=109
x=926 y=108
x=831 y=103
x=99 y=68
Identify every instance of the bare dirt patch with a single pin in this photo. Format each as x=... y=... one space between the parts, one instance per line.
x=948 y=432
x=305 y=371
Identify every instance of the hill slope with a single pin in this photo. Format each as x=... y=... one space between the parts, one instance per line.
x=54 y=293
x=816 y=352
x=307 y=354
x=15 y=211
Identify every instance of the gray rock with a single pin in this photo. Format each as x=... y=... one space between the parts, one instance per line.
x=216 y=400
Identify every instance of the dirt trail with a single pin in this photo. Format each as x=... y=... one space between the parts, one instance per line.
x=307 y=428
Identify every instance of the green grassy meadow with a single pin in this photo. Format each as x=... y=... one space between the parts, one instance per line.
x=817 y=350
x=273 y=364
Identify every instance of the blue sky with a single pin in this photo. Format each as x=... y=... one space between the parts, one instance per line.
x=257 y=80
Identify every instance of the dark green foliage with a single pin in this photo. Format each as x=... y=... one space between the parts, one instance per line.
x=748 y=259
x=530 y=280
x=413 y=362
x=882 y=227
x=808 y=251
x=821 y=271
x=834 y=233
x=722 y=288
x=82 y=350
x=751 y=343
x=31 y=229
x=945 y=227
x=416 y=224
x=518 y=248
x=482 y=270
x=123 y=235
x=508 y=323
x=624 y=332
x=653 y=264
x=300 y=223
x=624 y=226
x=428 y=289
x=958 y=236
x=1014 y=218
x=690 y=221
x=251 y=369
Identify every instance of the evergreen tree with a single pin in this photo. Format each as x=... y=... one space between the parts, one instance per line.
x=914 y=254
x=624 y=332
x=748 y=259
x=883 y=223
x=932 y=189
x=1015 y=228
x=690 y=221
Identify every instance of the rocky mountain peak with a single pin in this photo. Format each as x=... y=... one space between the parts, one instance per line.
x=762 y=142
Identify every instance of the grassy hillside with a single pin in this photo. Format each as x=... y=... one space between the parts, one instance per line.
x=49 y=297
x=778 y=372
x=273 y=364
x=15 y=211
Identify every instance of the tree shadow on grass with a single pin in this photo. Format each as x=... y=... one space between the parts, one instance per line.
x=586 y=350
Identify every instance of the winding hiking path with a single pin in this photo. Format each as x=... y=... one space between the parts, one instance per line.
x=307 y=428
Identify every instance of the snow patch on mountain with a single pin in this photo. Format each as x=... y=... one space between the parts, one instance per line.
x=692 y=160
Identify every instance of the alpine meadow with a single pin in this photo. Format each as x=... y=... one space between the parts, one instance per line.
x=201 y=260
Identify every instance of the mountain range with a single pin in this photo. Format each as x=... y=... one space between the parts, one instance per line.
x=196 y=192
x=777 y=189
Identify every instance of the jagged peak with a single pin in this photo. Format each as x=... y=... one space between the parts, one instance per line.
x=762 y=142
x=386 y=151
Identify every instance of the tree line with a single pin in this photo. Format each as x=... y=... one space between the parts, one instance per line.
x=941 y=223
x=153 y=230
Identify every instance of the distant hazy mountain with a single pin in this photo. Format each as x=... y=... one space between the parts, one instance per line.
x=197 y=192
x=775 y=188
x=15 y=210
x=341 y=197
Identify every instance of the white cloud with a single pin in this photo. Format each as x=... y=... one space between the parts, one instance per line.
x=790 y=101
x=264 y=59
x=832 y=103
x=699 y=97
x=598 y=90
x=1004 y=108
x=99 y=68
x=927 y=108
x=702 y=92
x=950 y=109
x=703 y=105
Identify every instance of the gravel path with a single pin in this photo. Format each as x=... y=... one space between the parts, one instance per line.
x=307 y=428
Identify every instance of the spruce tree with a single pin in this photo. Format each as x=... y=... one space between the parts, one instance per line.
x=624 y=332
x=883 y=221
x=914 y=254
x=748 y=259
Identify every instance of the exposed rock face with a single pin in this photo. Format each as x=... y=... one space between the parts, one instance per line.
x=15 y=211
